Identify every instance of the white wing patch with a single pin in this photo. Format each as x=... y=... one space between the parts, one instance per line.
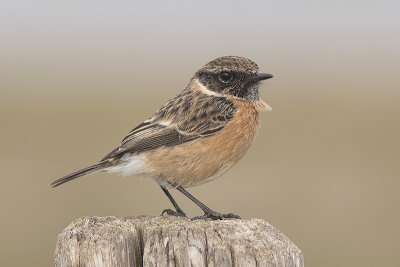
x=164 y=123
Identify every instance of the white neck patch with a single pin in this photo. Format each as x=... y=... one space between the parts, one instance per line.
x=205 y=90
x=260 y=105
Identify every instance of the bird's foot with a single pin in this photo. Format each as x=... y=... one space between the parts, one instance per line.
x=213 y=215
x=178 y=213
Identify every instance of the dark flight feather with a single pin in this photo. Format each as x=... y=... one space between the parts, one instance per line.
x=96 y=167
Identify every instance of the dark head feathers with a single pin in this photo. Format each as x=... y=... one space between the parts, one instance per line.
x=233 y=63
x=231 y=75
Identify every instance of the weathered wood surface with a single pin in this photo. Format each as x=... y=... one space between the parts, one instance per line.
x=171 y=241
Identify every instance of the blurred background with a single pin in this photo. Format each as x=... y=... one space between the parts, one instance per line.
x=76 y=76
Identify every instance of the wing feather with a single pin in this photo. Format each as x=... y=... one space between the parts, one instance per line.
x=191 y=115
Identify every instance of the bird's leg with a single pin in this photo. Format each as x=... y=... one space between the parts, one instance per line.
x=178 y=212
x=208 y=213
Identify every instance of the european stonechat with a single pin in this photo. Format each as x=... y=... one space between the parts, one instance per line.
x=196 y=136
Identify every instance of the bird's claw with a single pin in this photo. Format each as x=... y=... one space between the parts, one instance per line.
x=216 y=216
x=173 y=213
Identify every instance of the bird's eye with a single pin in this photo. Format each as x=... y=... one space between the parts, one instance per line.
x=225 y=76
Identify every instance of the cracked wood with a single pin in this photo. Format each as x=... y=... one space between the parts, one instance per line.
x=171 y=241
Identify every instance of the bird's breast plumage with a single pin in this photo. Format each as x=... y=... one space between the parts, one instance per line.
x=203 y=159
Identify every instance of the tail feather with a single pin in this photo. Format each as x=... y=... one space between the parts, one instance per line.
x=94 y=168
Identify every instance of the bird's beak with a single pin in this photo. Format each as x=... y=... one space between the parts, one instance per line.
x=260 y=77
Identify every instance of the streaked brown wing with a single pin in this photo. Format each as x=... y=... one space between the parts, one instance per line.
x=177 y=123
x=155 y=136
x=150 y=137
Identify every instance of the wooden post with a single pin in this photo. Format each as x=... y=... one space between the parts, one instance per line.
x=173 y=241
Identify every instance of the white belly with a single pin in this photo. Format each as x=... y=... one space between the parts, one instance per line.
x=129 y=165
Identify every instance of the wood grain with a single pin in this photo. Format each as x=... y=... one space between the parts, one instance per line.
x=171 y=241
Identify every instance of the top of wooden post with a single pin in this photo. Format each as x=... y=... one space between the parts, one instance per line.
x=174 y=241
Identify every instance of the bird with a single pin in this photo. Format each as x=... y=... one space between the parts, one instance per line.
x=194 y=137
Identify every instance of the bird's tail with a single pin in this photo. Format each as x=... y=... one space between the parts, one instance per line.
x=94 y=168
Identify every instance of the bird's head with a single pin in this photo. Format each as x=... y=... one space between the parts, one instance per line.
x=231 y=76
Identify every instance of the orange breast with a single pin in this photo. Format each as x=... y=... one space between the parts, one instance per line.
x=206 y=158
